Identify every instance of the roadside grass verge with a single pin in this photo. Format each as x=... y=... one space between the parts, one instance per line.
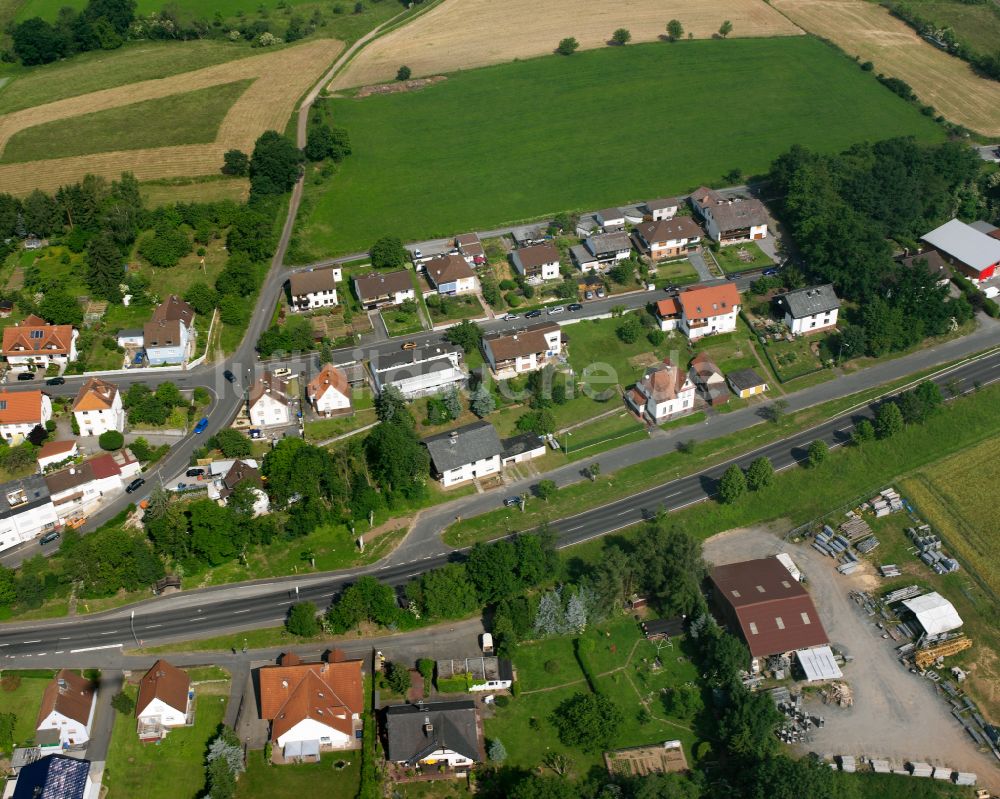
x=187 y=118
x=561 y=155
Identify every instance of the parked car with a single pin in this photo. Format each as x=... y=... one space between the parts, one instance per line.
x=410 y=345
x=487 y=642
x=135 y=485
x=48 y=538
x=769 y=272
x=26 y=376
x=230 y=377
x=55 y=381
x=532 y=314
x=510 y=317
x=195 y=471
x=283 y=372
x=557 y=310
x=510 y=502
x=200 y=427
x=671 y=288
x=574 y=306
x=588 y=295
x=600 y=292
x=181 y=487
x=417 y=253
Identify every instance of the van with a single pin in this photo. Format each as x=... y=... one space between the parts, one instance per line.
x=487 y=643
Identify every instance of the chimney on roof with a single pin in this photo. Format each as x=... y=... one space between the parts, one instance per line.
x=428 y=727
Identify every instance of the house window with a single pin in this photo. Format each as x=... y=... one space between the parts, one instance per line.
x=805 y=618
x=753 y=627
x=780 y=622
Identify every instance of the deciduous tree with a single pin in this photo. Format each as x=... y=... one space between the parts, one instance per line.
x=733 y=485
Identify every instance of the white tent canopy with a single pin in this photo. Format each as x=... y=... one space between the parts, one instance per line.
x=818 y=663
x=935 y=613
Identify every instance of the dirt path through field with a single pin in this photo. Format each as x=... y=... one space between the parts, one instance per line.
x=461 y=34
x=870 y=32
x=281 y=78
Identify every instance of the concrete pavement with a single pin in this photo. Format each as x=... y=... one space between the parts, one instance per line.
x=110 y=684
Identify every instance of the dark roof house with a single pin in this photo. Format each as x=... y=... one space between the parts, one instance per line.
x=416 y=732
x=53 y=777
x=810 y=301
x=469 y=444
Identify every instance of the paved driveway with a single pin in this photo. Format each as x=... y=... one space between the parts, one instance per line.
x=896 y=714
x=104 y=715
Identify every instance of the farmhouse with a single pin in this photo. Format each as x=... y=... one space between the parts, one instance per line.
x=465 y=453
x=974 y=254
x=98 y=408
x=664 y=391
x=67 y=711
x=165 y=701
x=729 y=221
x=53 y=453
x=667 y=238
x=55 y=777
x=312 y=707
x=21 y=412
x=709 y=379
x=434 y=734
x=810 y=309
x=416 y=373
x=314 y=288
x=527 y=350
x=486 y=673
x=661 y=209
x=668 y=312
x=709 y=309
x=268 y=402
x=537 y=262
x=329 y=391
x=931 y=261
x=26 y=510
x=610 y=219
x=451 y=274
x=471 y=249
x=746 y=383
x=768 y=607
x=376 y=290
x=168 y=337
x=34 y=342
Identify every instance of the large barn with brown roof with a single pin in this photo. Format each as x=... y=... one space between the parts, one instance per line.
x=767 y=606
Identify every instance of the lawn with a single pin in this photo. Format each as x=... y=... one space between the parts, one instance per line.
x=322 y=429
x=295 y=781
x=741 y=258
x=24 y=702
x=172 y=769
x=187 y=118
x=601 y=360
x=400 y=321
x=792 y=359
x=679 y=273
x=623 y=661
x=561 y=156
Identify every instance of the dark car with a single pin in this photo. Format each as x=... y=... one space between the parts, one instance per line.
x=135 y=485
x=769 y=272
x=26 y=376
x=510 y=502
x=574 y=306
x=55 y=381
x=671 y=289
x=532 y=314
x=48 y=538
x=229 y=376
x=194 y=472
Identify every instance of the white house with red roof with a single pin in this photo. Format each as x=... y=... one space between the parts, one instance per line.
x=708 y=310
x=329 y=392
x=53 y=453
x=21 y=412
x=34 y=342
x=665 y=391
x=98 y=408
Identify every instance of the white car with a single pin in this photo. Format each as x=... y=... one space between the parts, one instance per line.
x=557 y=309
x=282 y=372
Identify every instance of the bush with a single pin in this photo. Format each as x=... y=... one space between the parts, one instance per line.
x=656 y=337
x=551 y=666
x=111 y=440
x=403 y=73
x=302 y=620
x=546 y=489
x=123 y=703
x=568 y=46
x=502 y=701
x=818 y=451
x=733 y=484
x=621 y=36
x=513 y=299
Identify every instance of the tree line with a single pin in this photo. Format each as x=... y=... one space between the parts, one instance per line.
x=844 y=211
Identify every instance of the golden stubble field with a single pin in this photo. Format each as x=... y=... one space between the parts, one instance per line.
x=462 y=34
x=280 y=79
x=868 y=30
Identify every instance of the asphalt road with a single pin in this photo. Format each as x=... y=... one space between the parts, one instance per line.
x=222 y=609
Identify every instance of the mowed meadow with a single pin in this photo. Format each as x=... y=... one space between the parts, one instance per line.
x=521 y=140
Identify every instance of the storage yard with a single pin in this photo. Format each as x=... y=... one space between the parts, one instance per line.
x=880 y=696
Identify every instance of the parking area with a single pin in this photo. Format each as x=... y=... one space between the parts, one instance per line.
x=896 y=714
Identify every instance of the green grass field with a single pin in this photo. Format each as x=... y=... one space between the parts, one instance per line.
x=48 y=9
x=24 y=703
x=582 y=134
x=302 y=779
x=188 y=118
x=976 y=25
x=90 y=72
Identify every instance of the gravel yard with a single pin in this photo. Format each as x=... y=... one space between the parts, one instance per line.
x=896 y=714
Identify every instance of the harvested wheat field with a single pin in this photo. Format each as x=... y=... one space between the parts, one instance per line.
x=461 y=34
x=279 y=79
x=870 y=32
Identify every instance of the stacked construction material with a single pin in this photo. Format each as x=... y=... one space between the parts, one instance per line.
x=942 y=773
x=919 y=769
x=900 y=594
x=847 y=763
x=929 y=547
x=886 y=502
x=855 y=527
x=964 y=778
x=880 y=766
x=890 y=570
x=867 y=545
